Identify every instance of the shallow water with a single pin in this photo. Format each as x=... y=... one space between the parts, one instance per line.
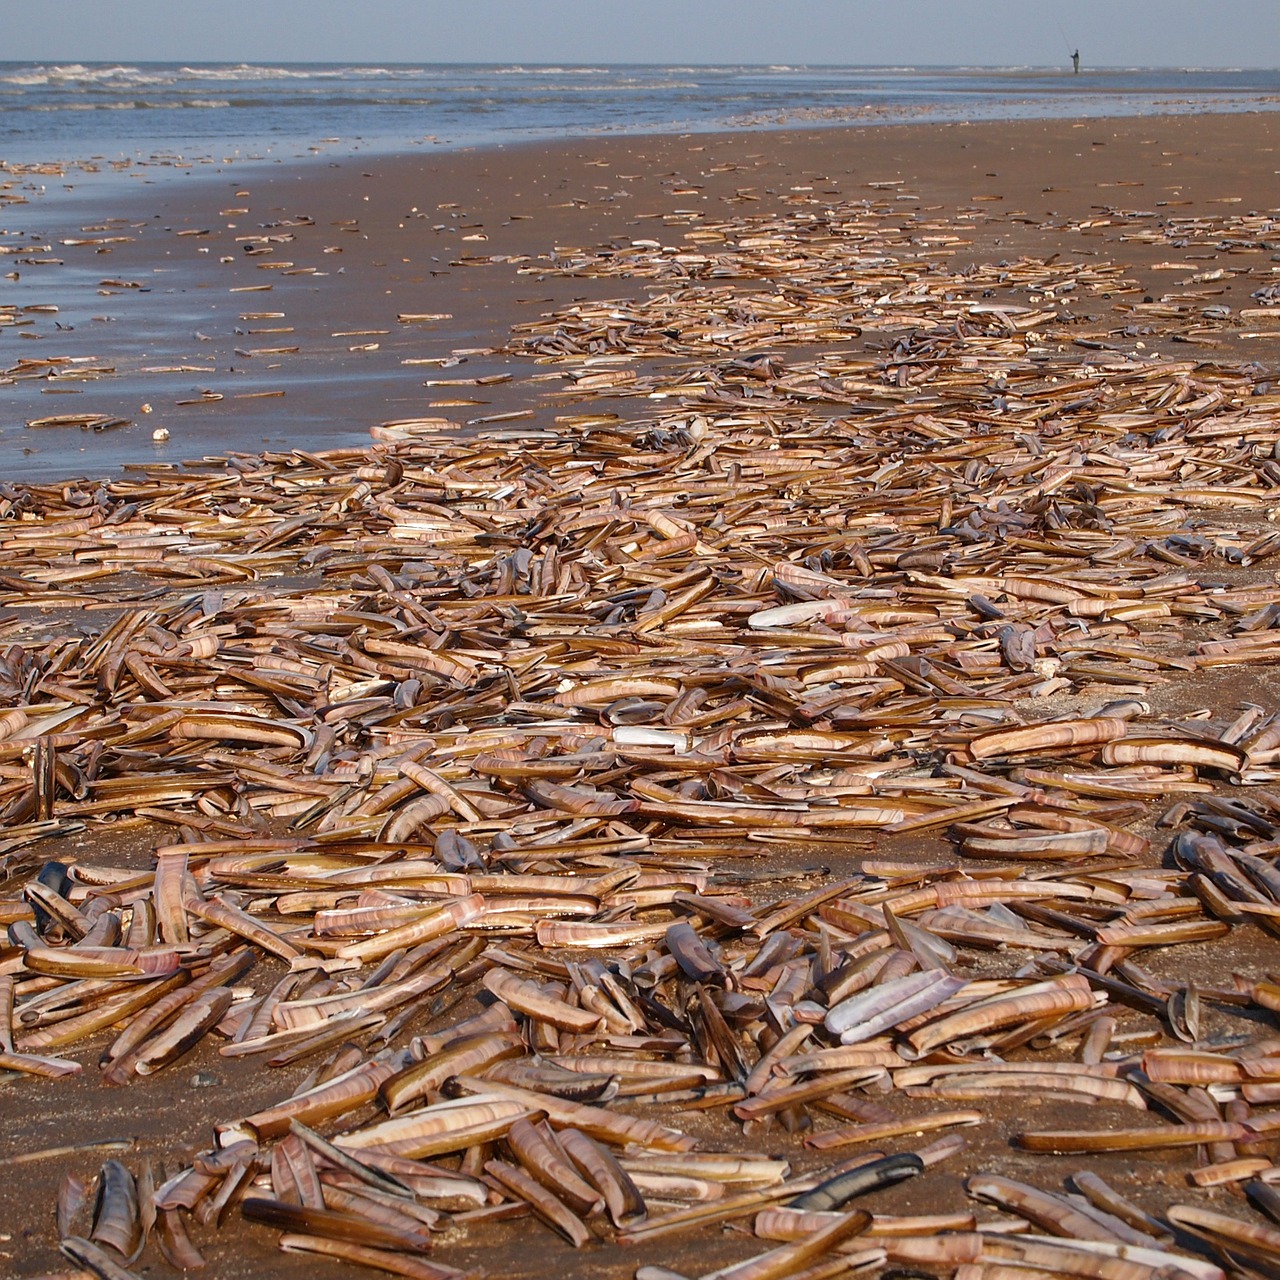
x=114 y=111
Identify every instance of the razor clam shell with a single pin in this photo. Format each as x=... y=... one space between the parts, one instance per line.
x=864 y=1016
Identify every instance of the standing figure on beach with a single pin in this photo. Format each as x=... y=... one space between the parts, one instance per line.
x=1075 y=62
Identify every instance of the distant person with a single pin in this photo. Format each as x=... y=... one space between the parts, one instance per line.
x=1075 y=62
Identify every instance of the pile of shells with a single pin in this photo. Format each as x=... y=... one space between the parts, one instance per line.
x=459 y=748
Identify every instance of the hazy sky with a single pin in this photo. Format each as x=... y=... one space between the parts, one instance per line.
x=1217 y=33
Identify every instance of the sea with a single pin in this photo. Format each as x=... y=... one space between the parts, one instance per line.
x=76 y=112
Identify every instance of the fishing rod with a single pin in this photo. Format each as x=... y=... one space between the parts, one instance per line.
x=1073 y=54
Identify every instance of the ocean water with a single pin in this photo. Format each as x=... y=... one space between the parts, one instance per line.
x=78 y=112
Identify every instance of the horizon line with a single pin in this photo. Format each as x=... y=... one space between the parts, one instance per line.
x=684 y=62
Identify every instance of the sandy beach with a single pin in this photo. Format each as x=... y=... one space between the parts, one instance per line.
x=263 y=307
x=261 y=310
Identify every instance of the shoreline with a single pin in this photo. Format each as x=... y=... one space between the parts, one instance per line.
x=447 y=234
x=514 y=104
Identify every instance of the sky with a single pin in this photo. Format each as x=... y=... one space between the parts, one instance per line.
x=1178 y=33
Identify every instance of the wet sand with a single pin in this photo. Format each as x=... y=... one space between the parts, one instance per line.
x=262 y=307
x=461 y=236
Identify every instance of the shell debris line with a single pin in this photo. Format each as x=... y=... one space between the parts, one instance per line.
x=767 y=777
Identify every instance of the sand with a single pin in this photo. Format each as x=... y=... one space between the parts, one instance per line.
x=460 y=235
